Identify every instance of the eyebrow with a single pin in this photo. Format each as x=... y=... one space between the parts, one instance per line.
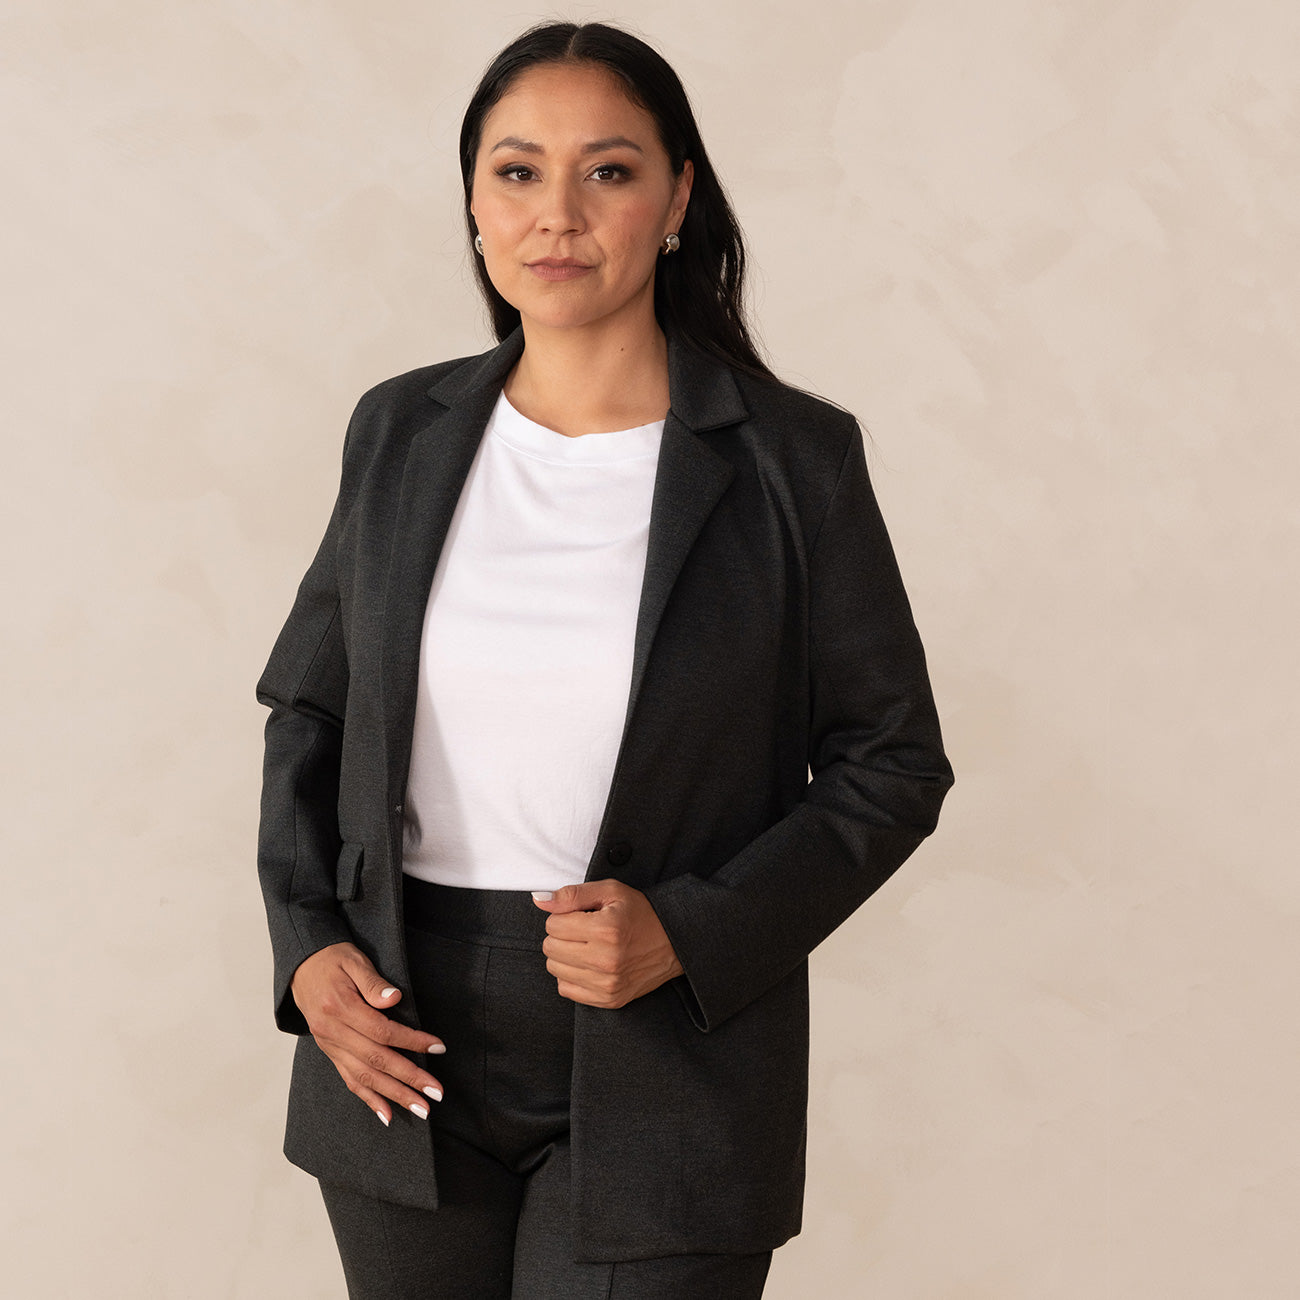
x=593 y=146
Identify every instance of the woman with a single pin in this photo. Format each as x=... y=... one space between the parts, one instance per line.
x=540 y=853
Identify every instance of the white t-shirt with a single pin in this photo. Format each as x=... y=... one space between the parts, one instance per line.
x=526 y=657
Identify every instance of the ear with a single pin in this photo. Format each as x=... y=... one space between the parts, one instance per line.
x=682 y=191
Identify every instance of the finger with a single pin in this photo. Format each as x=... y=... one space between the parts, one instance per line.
x=577 y=956
x=378 y=1026
x=376 y=990
x=347 y=1005
x=605 y=928
x=375 y=1068
x=586 y=897
x=598 y=983
x=355 y=1078
x=380 y=1092
x=377 y=1041
x=381 y=1106
x=582 y=990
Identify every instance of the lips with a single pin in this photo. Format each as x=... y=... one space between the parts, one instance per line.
x=558 y=268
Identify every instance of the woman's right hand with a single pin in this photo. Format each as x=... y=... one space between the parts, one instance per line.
x=343 y=998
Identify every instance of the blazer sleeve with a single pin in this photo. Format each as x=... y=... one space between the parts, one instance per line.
x=305 y=685
x=879 y=776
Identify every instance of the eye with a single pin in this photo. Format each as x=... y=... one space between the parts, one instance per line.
x=511 y=170
x=608 y=172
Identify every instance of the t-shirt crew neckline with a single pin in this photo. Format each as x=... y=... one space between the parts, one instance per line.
x=533 y=439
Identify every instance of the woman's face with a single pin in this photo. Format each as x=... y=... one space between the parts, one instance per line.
x=573 y=194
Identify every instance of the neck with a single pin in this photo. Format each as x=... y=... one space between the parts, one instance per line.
x=593 y=379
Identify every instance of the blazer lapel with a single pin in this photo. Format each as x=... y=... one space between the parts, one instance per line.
x=690 y=478
x=689 y=481
x=438 y=461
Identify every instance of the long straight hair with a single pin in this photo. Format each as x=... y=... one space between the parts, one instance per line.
x=699 y=290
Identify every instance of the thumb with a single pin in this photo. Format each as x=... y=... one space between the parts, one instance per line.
x=371 y=985
x=589 y=896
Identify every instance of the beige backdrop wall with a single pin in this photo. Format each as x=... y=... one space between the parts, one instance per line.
x=1047 y=252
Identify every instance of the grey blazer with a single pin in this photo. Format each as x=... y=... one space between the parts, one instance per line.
x=773 y=637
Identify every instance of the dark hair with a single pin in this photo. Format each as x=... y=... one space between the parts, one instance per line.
x=699 y=290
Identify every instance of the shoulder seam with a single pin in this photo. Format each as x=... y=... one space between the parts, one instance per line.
x=839 y=476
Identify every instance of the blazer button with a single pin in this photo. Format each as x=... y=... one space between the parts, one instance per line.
x=618 y=853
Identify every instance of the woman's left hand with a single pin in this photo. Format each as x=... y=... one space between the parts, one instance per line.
x=604 y=944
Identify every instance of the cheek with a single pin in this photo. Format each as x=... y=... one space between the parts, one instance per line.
x=649 y=215
x=493 y=207
x=637 y=229
x=489 y=214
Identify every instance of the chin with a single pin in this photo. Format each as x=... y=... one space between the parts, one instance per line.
x=553 y=316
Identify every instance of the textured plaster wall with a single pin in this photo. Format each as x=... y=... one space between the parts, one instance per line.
x=1047 y=251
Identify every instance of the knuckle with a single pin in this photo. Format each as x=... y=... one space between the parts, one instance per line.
x=376 y=1060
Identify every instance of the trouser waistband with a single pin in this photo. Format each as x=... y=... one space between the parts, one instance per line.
x=503 y=914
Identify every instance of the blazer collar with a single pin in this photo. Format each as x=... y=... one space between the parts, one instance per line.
x=702 y=391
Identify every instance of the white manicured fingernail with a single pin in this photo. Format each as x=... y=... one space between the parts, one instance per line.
x=383 y=1119
x=435 y=1093
x=543 y=895
x=388 y=993
x=420 y=1110
x=436 y=1049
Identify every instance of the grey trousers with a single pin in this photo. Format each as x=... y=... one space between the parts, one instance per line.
x=501 y=1133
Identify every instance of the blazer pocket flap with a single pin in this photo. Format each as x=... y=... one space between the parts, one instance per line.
x=348 y=877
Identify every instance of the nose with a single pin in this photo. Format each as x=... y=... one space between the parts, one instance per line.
x=560 y=211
